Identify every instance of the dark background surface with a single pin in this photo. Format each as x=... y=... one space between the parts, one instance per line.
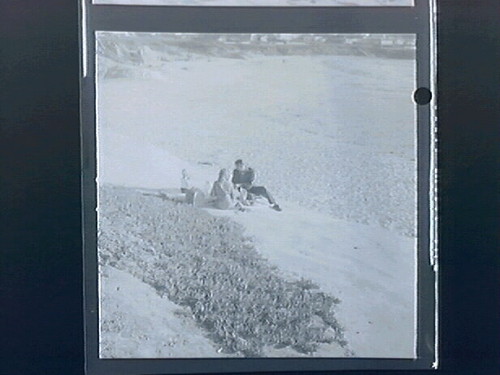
x=41 y=314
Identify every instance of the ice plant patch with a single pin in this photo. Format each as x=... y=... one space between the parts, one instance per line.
x=207 y=264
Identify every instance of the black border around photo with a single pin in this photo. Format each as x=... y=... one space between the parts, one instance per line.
x=258 y=20
x=41 y=275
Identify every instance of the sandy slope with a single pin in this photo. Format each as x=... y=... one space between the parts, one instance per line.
x=316 y=129
x=138 y=323
x=369 y=269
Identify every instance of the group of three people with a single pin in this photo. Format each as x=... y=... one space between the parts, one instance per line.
x=238 y=192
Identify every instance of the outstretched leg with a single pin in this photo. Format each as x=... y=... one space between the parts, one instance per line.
x=262 y=191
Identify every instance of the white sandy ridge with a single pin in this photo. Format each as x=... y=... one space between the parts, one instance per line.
x=146 y=325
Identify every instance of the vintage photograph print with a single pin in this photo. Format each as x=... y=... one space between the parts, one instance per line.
x=309 y=3
x=257 y=195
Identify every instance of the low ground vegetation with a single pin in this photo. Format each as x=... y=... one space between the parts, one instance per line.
x=207 y=264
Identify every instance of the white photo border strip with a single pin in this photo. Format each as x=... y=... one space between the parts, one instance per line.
x=417 y=20
x=267 y=3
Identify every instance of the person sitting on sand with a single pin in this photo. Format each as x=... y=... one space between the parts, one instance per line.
x=223 y=193
x=194 y=196
x=243 y=177
x=185 y=182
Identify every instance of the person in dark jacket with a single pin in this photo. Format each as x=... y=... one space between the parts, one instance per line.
x=243 y=177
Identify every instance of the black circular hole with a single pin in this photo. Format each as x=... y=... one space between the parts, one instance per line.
x=422 y=96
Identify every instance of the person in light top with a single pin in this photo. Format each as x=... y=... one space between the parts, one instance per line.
x=194 y=196
x=185 y=182
x=223 y=194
